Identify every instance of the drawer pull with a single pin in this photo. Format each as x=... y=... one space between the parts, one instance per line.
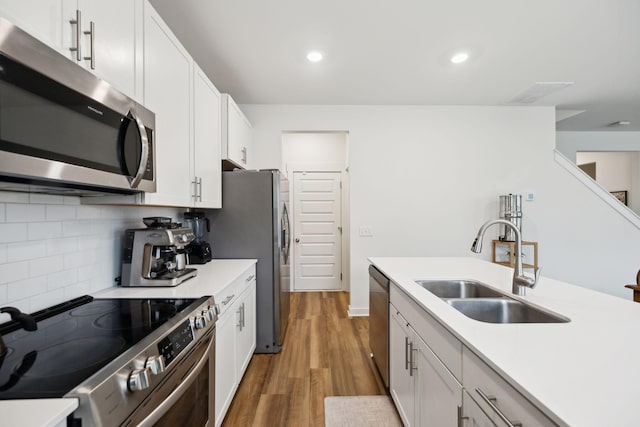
x=406 y=353
x=227 y=299
x=491 y=401
x=250 y=278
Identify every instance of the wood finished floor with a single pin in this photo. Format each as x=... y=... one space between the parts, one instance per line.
x=325 y=353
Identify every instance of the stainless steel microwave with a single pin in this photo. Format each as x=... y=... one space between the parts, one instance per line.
x=63 y=130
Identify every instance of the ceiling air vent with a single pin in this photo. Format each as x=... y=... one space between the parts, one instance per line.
x=539 y=90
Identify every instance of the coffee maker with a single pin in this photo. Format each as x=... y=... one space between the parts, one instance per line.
x=155 y=256
x=199 y=250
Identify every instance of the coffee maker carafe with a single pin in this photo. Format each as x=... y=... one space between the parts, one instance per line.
x=199 y=250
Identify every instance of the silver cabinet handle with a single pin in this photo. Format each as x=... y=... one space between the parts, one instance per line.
x=412 y=360
x=242 y=318
x=227 y=299
x=406 y=353
x=200 y=189
x=78 y=23
x=92 y=36
x=490 y=400
x=244 y=155
x=195 y=189
x=250 y=278
x=461 y=417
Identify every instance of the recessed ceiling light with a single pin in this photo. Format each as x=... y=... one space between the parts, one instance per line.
x=314 y=56
x=459 y=57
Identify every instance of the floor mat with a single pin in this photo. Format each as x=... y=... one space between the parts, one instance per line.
x=360 y=411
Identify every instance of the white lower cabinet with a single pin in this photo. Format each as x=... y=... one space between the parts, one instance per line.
x=423 y=388
x=436 y=381
x=235 y=339
x=504 y=405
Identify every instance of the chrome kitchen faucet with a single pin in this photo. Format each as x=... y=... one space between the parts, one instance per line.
x=520 y=281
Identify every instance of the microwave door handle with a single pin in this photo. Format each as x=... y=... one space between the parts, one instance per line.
x=144 y=143
x=175 y=395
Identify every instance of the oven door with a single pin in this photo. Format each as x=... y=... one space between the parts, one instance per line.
x=186 y=395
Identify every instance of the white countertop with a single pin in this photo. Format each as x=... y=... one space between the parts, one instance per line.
x=211 y=279
x=583 y=371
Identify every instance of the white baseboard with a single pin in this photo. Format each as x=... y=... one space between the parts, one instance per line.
x=358 y=311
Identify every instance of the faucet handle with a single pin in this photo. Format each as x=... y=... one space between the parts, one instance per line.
x=536 y=274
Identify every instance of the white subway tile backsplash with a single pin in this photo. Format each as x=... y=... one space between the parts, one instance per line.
x=3 y=253
x=77 y=290
x=44 y=230
x=14 y=271
x=27 y=288
x=21 y=251
x=46 y=265
x=14 y=197
x=46 y=199
x=88 y=212
x=62 y=245
x=53 y=248
x=47 y=299
x=61 y=212
x=18 y=212
x=3 y=294
x=62 y=279
x=13 y=232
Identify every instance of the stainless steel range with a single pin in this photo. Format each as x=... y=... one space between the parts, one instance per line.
x=128 y=361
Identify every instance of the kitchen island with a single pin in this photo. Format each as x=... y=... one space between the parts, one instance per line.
x=214 y=278
x=579 y=373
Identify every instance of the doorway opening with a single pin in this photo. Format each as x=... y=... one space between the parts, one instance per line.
x=316 y=163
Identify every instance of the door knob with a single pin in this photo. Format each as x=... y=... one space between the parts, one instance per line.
x=297 y=240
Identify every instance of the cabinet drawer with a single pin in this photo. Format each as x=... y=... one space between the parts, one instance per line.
x=480 y=379
x=227 y=296
x=447 y=347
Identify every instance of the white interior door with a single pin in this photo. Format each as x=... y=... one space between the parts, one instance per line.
x=317 y=231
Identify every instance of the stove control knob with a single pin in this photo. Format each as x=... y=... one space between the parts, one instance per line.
x=200 y=322
x=216 y=309
x=208 y=314
x=138 y=380
x=155 y=364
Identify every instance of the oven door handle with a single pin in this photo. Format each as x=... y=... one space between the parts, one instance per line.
x=162 y=408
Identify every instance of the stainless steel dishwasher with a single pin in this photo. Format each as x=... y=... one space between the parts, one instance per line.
x=379 y=321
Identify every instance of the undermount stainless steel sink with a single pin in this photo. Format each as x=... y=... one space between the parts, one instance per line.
x=485 y=304
x=504 y=310
x=459 y=289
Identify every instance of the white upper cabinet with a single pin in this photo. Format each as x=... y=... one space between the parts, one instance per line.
x=42 y=19
x=237 y=140
x=207 y=135
x=168 y=71
x=107 y=39
x=106 y=33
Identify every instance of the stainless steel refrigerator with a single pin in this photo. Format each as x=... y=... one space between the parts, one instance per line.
x=254 y=223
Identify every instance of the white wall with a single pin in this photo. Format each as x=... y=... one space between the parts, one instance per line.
x=53 y=249
x=427 y=177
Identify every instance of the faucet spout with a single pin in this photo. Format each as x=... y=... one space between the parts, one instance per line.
x=520 y=281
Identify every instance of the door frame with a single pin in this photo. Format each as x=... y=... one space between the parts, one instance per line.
x=292 y=168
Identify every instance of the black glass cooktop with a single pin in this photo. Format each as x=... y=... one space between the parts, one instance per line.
x=74 y=340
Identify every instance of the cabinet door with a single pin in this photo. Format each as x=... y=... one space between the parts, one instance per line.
x=238 y=135
x=207 y=118
x=246 y=328
x=167 y=89
x=472 y=415
x=401 y=382
x=42 y=19
x=115 y=23
x=438 y=393
x=226 y=363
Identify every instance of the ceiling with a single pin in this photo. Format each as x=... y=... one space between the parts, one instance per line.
x=387 y=52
